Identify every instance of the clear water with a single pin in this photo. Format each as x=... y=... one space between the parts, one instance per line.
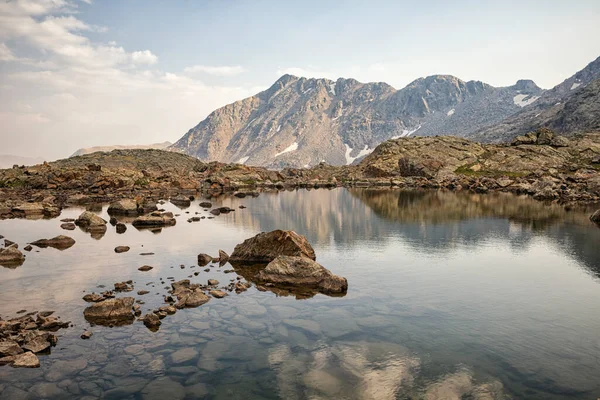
x=450 y=296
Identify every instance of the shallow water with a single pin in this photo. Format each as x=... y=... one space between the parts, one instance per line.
x=450 y=295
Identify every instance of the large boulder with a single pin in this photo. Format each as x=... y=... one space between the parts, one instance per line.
x=60 y=242
x=91 y=222
x=115 y=311
x=36 y=210
x=11 y=257
x=155 y=219
x=181 y=201
x=266 y=246
x=302 y=273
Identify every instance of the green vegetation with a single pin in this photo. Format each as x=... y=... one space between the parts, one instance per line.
x=467 y=171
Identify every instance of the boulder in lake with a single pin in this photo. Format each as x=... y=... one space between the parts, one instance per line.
x=11 y=257
x=205 y=204
x=116 y=311
x=69 y=226
x=91 y=222
x=152 y=321
x=223 y=257
x=302 y=273
x=60 y=242
x=266 y=246
x=155 y=219
x=123 y=207
x=121 y=228
x=144 y=268
x=180 y=201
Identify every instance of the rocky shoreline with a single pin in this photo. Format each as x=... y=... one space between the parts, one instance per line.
x=541 y=165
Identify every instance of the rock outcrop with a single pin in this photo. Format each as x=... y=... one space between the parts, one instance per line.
x=266 y=246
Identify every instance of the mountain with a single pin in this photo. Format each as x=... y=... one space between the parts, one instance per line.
x=300 y=122
x=571 y=107
x=89 y=150
x=7 y=160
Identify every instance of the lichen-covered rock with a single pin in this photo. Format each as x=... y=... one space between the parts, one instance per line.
x=301 y=272
x=267 y=246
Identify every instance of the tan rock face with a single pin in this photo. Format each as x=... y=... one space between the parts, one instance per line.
x=267 y=246
x=301 y=272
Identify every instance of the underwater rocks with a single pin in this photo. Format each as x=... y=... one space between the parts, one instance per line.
x=116 y=311
x=21 y=338
x=60 y=242
x=286 y=271
x=267 y=246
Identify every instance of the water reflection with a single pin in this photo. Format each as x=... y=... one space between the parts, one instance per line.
x=450 y=296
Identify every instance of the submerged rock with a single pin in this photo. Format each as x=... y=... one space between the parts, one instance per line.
x=60 y=242
x=111 y=312
x=301 y=272
x=267 y=246
x=11 y=257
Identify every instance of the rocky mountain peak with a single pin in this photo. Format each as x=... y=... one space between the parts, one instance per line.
x=526 y=86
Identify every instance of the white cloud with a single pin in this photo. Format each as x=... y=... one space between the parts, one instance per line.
x=144 y=57
x=218 y=70
x=64 y=91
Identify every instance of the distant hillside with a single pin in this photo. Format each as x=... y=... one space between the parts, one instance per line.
x=89 y=150
x=7 y=160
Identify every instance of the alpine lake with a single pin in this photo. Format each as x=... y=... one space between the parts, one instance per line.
x=450 y=296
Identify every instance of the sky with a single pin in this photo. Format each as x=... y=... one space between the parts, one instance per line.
x=82 y=73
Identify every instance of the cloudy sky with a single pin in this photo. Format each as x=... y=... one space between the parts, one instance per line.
x=81 y=73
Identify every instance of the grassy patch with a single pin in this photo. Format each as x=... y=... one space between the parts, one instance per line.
x=493 y=173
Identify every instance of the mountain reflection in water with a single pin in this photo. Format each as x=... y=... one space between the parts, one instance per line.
x=451 y=295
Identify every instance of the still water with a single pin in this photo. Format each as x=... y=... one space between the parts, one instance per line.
x=450 y=296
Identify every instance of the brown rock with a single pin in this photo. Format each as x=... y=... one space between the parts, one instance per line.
x=206 y=204
x=267 y=246
x=121 y=228
x=223 y=257
x=91 y=222
x=213 y=282
x=155 y=219
x=37 y=344
x=301 y=272
x=151 y=320
x=93 y=297
x=145 y=268
x=11 y=257
x=9 y=348
x=60 y=242
x=204 y=259
x=219 y=294
x=122 y=249
x=123 y=207
x=110 y=311
x=69 y=226
x=86 y=335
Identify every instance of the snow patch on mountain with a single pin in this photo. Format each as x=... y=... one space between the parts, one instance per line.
x=523 y=100
x=291 y=147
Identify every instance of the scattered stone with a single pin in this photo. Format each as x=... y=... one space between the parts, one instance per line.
x=123 y=287
x=181 y=201
x=151 y=320
x=28 y=248
x=26 y=360
x=69 y=226
x=113 y=221
x=145 y=268
x=93 y=297
x=213 y=282
x=267 y=246
x=86 y=335
x=124 y=207
x=121 y=228
x=8 y=243
x=60 y=242
x=9 y=348
x=147 y=254
x=122 y=249
x=11 y=257
x=37 y=344
x=204 y=259
x=206 y=204
x=142 y=292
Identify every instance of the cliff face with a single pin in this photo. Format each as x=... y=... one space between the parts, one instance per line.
x=301 y=122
